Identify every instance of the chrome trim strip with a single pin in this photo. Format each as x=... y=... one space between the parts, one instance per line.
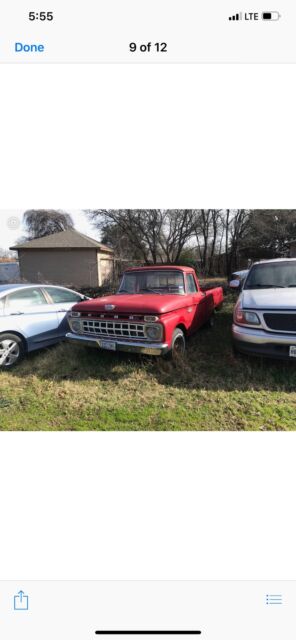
x=150 y=348
x=259 y=336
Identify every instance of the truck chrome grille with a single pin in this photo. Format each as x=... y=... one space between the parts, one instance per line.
x=109 y=329
x=281 y=321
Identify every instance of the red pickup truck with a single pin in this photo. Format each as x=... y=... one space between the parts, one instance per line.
x=153 y=312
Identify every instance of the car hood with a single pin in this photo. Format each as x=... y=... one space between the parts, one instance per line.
x=136 y=303
x=269 y=298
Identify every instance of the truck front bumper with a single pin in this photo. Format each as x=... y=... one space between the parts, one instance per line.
x=149 y=348
x=258 y=342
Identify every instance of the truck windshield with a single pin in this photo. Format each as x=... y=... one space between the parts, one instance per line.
x=159 y=282
x=272 y=275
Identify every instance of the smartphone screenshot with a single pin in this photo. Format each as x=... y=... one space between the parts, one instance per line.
x=147 y=320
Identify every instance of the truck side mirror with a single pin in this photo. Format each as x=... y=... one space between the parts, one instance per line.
x=235 y=284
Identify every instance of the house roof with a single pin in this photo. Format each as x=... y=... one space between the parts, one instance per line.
x=69 y=239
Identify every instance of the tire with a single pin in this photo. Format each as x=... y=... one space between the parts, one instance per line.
x=210 y=322
x=12 y=350
x=178 y=348
x=236 y=353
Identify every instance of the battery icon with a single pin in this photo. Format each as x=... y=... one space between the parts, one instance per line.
x=270 y=15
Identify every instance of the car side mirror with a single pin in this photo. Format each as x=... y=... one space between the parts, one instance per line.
x=235 y=284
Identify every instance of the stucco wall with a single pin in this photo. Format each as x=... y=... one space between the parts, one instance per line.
x=105 y=266
x=68 y=267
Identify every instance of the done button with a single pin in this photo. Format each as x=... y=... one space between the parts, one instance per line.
x=28 y=48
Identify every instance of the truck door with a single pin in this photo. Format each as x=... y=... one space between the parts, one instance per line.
x=200 y=302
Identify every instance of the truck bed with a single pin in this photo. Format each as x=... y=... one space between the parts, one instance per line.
x=217 y=296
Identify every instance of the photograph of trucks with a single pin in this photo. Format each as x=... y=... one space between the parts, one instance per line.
x=148 y=320
x=154 y=310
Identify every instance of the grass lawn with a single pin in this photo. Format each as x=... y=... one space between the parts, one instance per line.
x=66 y=387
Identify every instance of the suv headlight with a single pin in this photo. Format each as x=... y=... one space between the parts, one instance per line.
x=245 y=317
x=153 y=331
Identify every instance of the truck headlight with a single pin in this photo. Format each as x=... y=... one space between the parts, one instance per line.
x=245 y=317
x=153 y=331
x=75 y=326
x=251 y=317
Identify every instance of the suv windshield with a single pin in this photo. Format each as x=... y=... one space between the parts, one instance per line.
x=160 y=282
x=272 y=275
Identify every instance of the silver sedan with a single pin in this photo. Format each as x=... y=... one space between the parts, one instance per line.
x=32 y=317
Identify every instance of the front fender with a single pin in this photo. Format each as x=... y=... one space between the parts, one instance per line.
x=170 y=321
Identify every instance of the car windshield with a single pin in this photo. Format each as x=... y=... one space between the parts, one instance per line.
x=272 y=275
x=160 y=282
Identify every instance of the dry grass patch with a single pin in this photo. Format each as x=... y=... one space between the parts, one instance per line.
x=70 y=388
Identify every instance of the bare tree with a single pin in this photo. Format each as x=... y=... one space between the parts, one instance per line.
x=208 y=231
x=158 y=235
x=113 y=236
x=236 y=222
x=6 y=254
x=269 y=233
x=44 y=222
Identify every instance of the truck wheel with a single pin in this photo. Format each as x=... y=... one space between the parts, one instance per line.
x=211 y=321
x=178 y=347
x=236 y=353
x=12 y=350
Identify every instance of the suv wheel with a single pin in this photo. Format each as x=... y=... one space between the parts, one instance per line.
x=11 y=350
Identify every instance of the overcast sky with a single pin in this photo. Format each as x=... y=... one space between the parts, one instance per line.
x=11 y=227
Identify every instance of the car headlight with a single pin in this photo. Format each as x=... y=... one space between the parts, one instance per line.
x=245 y=317
x=153 y=331
x=75 y=326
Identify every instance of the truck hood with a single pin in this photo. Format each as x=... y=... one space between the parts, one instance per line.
x=269 y=298
x=136 y=303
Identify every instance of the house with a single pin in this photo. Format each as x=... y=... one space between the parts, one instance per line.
x=68 y=258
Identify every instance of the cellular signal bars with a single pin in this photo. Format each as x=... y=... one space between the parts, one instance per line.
x=237 y=16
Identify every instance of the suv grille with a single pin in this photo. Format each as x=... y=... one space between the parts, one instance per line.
x=111 y=329
x=281 y=321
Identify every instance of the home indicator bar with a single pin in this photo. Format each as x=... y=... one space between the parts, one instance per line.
x=149 y=633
